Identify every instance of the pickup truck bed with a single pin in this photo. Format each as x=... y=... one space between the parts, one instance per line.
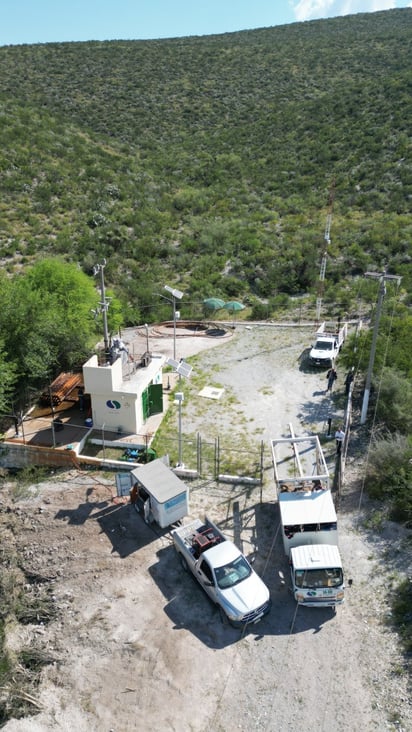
x=199 y=536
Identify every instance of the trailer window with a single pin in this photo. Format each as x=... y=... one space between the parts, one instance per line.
x=230 y=574
x=311 y=579
x=310 y=527
x=330 y=526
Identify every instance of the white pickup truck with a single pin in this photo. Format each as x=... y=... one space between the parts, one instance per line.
x=222 y=571
x=327 y=346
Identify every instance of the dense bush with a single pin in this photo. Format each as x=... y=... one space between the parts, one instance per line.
x=392 y=346
x=393 y=399
x=402 y=612
x=389 y=475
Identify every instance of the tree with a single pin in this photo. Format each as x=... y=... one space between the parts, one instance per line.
x=7 y=380
x=46 y=321
x=72 y=293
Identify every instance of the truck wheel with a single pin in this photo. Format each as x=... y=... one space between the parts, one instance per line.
x=183 y=563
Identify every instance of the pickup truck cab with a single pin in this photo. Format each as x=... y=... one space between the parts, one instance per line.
x=223 y=572
x=317 y=575
x=324 y=352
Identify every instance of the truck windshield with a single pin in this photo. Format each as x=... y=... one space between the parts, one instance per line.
x=323 y=345
x=231 y=574
x=311 y=579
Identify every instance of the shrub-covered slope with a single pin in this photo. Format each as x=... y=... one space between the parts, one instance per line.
x=211 y=160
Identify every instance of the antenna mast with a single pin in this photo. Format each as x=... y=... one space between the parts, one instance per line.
x=326 y=239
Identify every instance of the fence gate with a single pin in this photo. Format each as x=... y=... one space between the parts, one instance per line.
x=206 y=458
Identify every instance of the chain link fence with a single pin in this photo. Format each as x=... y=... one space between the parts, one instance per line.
x=215 y=460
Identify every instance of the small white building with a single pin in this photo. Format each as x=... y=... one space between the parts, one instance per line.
x=160 y=494
x=124 y=394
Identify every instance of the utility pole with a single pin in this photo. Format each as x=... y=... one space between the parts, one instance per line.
x=326 y=240
x=104 y=303
x=383 y=278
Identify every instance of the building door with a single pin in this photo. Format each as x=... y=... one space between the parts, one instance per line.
x=152 y=400
x=145 y=404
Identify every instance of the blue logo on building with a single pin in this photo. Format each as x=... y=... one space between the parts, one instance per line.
x=113 y=404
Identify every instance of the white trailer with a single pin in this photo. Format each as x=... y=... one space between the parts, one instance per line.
x=308 y=520
x=308 y=517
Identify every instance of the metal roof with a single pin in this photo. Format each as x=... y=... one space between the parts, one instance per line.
x=159 y=481
x=311 y=556
x=307 y=508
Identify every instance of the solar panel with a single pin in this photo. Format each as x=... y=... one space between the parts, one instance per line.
x=182 y=368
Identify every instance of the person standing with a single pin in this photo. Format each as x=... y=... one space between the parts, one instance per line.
x=348 y=381
x=339 y=437
x=331 y=377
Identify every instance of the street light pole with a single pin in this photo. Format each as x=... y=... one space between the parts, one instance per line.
x=174 y=329
x=383 y=277
x=179 y=398
x=176 y=295
x=183 y=369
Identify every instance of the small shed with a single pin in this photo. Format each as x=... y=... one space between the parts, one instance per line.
x=168 y=495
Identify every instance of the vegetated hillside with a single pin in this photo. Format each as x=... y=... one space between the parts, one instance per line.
x=209 y=161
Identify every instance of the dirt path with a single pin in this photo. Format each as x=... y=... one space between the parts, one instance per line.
x=139 y=646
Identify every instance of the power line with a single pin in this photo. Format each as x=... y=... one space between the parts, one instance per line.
x=383 y=278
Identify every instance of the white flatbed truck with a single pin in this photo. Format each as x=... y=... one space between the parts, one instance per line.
x=327 y=345
x=223 y=572
x=308 y=520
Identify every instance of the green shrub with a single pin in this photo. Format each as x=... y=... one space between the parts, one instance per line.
x=402 y=612
x=394 y=402
x=389 y=476
x=260 y=311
